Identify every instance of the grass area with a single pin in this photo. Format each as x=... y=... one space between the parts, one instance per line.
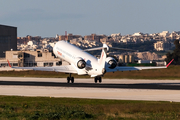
x=43 y=108
x=172 y=72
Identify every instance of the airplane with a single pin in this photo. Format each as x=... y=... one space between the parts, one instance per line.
x=83 y=63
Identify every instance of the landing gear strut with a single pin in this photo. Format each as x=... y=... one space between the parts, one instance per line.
x=96 y=79
x=70 y=79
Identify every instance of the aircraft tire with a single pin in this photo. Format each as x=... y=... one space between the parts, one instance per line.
x=95 y=79
x=100 y=79
x=68 y=79
x=72 y=79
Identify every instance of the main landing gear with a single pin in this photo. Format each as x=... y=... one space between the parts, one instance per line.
x=70 y=79
x=98 y=78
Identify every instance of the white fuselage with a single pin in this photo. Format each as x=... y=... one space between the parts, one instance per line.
x=71 y=54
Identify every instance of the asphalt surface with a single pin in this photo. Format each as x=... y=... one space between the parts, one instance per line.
x=160 y=86
x=121 y=89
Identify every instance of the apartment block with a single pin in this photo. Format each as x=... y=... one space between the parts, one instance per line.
x=161 y=46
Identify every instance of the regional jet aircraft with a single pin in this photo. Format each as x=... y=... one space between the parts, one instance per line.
x=83 y=63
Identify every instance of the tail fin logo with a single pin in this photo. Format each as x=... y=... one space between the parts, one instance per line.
x=100 y=61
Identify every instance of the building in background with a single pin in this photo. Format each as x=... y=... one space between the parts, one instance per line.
x=126 y=59
x=68 y=37
x=37 y=58
x=161 y=46
x=8 y=39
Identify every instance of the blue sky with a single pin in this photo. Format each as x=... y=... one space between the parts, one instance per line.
x=83 y=17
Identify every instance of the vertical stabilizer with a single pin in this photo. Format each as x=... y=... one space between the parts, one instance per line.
x=102 y=59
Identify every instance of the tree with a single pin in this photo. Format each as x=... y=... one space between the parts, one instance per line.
x=175 y=55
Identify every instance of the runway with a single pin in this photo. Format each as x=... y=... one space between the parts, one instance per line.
x=120 y=89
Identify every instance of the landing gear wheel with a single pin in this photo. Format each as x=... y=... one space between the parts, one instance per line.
x=72 y=79
x=97 y=79
x=100 y=79
x=68 y=79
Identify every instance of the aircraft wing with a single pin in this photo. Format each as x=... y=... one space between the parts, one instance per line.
x=65 y=69
x=132 y=68
x=136 y=68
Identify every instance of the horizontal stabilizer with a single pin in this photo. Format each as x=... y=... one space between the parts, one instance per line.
x=116 y=48
x=92 y=49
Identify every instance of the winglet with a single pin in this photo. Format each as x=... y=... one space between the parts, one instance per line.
x=169 y=63
x=9 y=63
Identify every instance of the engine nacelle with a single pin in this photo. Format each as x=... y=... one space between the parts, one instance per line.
x=80 y=63
x=111 y=62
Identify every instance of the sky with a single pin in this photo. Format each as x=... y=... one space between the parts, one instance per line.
x=46 y=18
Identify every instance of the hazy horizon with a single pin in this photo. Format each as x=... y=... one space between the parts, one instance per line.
x=48 y=18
